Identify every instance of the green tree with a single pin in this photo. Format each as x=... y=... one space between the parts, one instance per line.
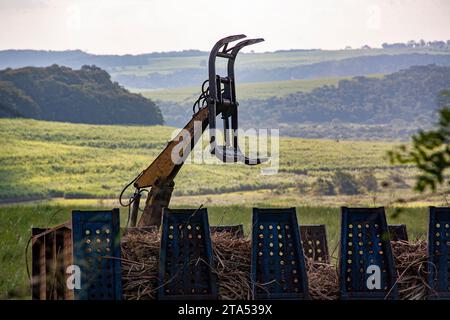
x=430 y=150
x=58 y=93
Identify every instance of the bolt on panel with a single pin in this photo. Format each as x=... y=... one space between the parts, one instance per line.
x=96 y=250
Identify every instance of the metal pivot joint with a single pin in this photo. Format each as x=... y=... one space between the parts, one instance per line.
x=222 y=101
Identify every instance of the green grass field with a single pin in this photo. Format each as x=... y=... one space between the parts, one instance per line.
x=260 y=90
x=16 y=222
x=52 y=159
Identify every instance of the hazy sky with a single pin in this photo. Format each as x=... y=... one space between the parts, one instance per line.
x=137 y=26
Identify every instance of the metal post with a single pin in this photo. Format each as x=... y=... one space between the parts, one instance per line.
x=135 y=209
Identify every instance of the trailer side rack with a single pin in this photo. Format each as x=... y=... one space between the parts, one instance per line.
x=186 y=257
x=278 y=264
x=367 y=269
x=439 y=253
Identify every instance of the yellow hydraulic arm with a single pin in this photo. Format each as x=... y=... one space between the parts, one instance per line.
x=163 y=170
x=163 y=167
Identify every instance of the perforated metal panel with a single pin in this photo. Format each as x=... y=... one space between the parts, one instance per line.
x=186 y=256
x=314 y=242
x=96 y=250
x=278 y=264
x=235 y=230
x=398 y=232
x=366 y=255
x=439 y=253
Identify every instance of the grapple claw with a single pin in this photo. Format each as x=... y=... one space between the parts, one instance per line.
x=228 y=155
x=222 y=101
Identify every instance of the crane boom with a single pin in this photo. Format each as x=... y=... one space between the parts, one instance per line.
x=163 y=166
x=162 y=171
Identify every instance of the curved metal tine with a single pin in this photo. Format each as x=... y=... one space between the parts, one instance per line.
x=248 y=42
x=239 y=156
x=222 y=42
x=228 y=155
x=212 y=80
x=230 y=69
x=250 y=161
x=226 y=40
x=212 y=59
x=235 y=50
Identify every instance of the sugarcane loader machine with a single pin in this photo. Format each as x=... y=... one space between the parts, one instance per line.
x=219 y=98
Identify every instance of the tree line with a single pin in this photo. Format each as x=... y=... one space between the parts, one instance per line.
x=437 y=44
x=59 y=93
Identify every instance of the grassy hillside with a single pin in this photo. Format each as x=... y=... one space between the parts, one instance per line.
x=189 y=68
x=40 y=158
x=257 y=90
x=356 y=66
x=265 y=60
x=188 y=59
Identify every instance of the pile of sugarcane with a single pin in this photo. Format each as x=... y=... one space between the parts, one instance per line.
x=411 y=263
x=139 y=259
x=140 y=255
x=323 y=280
x=232 y=264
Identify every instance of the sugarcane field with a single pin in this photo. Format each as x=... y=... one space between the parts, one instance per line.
x=215 y=160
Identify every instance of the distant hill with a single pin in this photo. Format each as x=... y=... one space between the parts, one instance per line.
x=78 y=58
x=355 y=66
x=58 y=93
x=189 y=67
x=409 y=95
x=390 y=107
